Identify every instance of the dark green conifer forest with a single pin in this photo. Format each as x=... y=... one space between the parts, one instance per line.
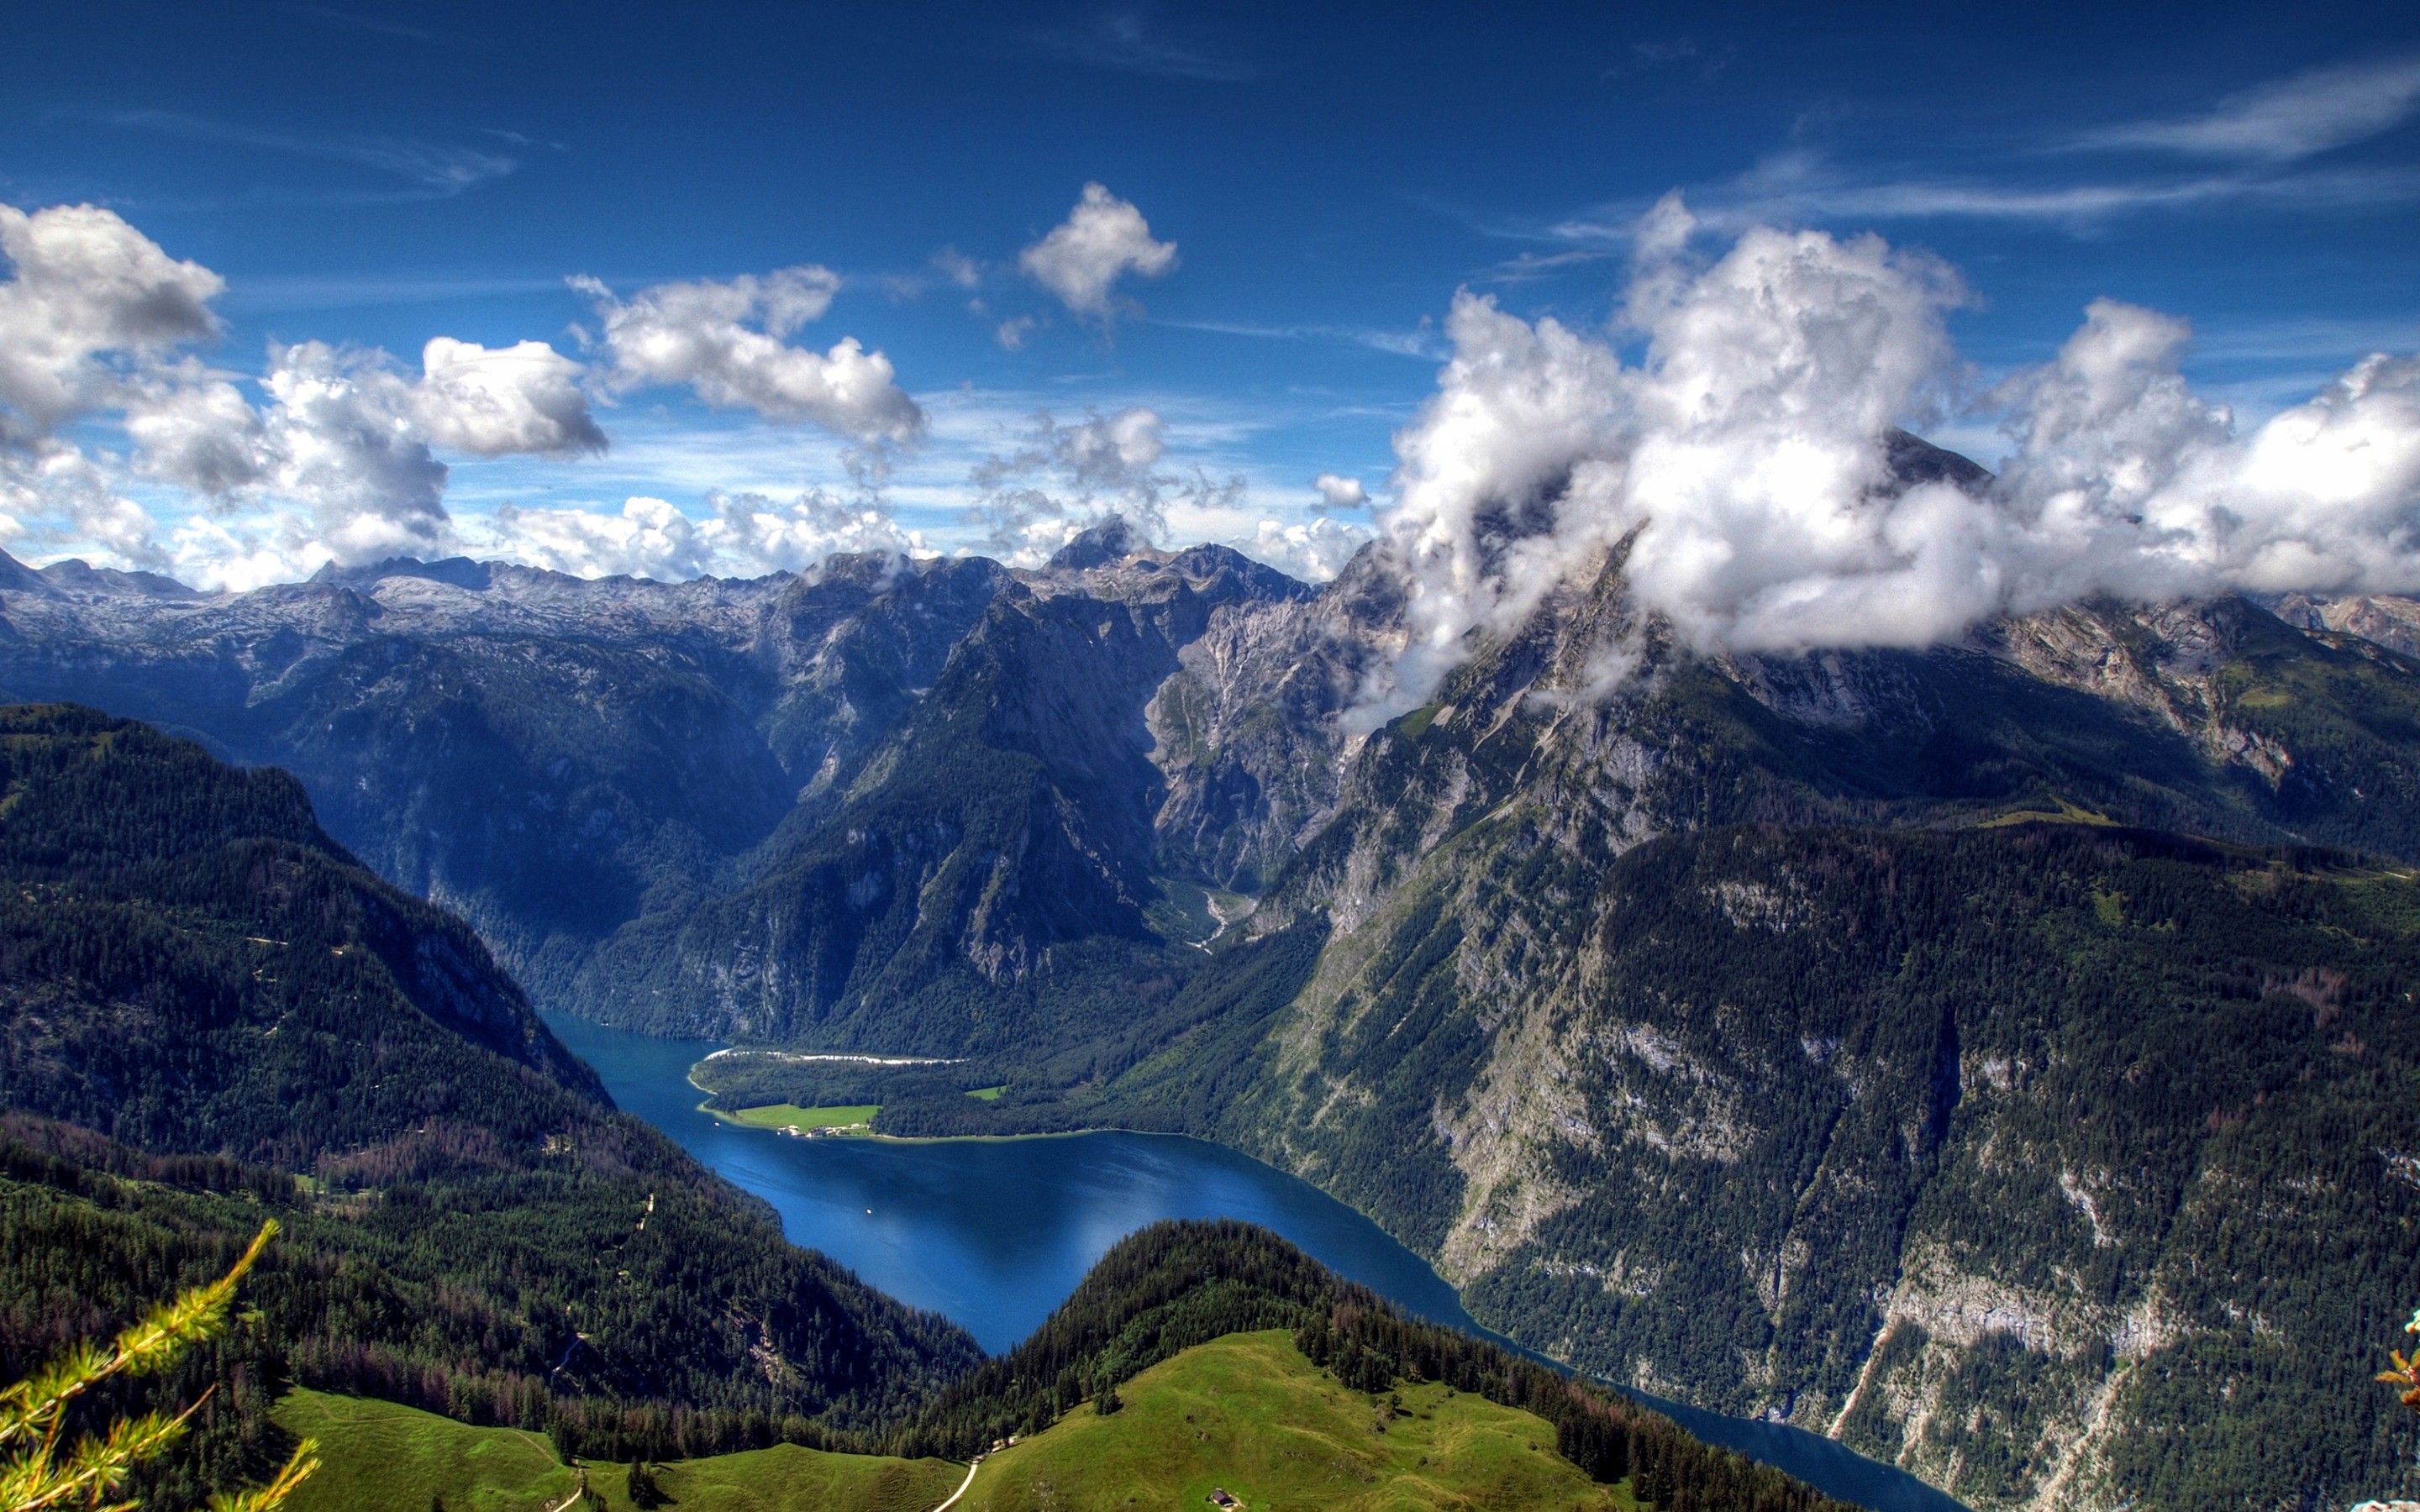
x=210 y=1014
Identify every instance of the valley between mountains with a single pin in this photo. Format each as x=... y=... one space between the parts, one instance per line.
x=2000 y=1057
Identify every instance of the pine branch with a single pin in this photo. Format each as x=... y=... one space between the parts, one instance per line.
x=39 y=1477
x=298 y=1469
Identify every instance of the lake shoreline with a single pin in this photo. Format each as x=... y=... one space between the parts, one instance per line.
x=996 y=1230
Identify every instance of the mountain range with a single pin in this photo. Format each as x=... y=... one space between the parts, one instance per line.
x=1999 y=1056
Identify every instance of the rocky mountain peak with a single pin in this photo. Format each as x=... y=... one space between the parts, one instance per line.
x=1112 y=540
x=458 y=572
x=1914 y=461
x=79 y=579
x=2389 y=620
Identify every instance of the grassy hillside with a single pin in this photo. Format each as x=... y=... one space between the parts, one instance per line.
x=1176 y=1286
x=1236 y=1360
x=1246 y=1412
x=375 y=1456
x=1249 y=1413
x=378 y=1457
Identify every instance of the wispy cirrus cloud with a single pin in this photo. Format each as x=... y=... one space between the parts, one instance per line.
x=432 y=169
x=2258 y=143
x=1530 y=267
x=1131 y=42
x=1680 y=53
x=1799 y=188
x=1420 y=342
x=363 y=291
x=2334 y=340
x=2284 y=120
x=380 y=26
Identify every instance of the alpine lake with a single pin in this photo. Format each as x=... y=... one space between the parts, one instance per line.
x=995 y=1233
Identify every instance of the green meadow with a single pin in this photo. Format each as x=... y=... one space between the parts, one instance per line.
x=1249 y=1416
x=791 y=1116
x=376 y=1457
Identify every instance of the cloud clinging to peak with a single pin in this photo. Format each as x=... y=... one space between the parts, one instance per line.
x=1313 y=550
x=1745 y=464
x=1103 y=239
x=1058 y=479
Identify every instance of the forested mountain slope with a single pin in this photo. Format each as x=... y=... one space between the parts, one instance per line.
x=546 y=755
x=210 y=1014
x=2064 y=1164
x=1005 y=829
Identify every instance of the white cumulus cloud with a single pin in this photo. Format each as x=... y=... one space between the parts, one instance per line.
x=49 y=481
x=1103 y=239
x=648 y=538
x=342 y=439
x=194 y=428
x=2126 y=482
x=522 y=399
x=1313 y=550
x=336 y=462
x=728 y=342
x=86 y=287
x=1337 y=491
x=1060 y=479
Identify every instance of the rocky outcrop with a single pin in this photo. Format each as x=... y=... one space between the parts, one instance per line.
x=2390 y=621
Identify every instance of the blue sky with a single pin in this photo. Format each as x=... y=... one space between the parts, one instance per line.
x=371 y=176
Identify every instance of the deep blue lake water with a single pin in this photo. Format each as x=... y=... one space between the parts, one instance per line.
x=994 y=1234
